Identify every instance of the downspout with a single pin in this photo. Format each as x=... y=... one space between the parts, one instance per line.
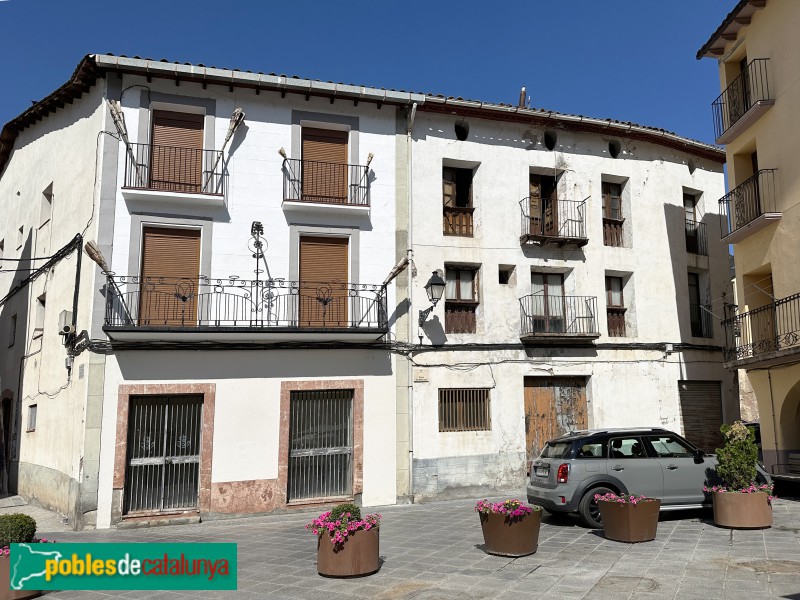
x=410 y=253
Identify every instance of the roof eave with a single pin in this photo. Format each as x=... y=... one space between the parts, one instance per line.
x=727 y=31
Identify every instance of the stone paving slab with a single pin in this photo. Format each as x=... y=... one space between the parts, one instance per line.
x=433 y=551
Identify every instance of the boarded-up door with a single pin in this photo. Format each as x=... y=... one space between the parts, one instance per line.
x=701 y=413
x=323 y=282
x=177 y=152
x=169 y=276
x=553 y=407
x=324 y=165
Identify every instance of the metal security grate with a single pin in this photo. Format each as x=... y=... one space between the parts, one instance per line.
x=164 y=437
x=464 y=410
x=320 y=444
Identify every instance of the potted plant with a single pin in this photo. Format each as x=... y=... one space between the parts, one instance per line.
x=15 y=528
x=510 y=528
x=628 y=518
x=347 y=545
x=739 y=501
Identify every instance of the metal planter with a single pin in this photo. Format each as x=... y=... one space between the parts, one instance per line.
x=359 y=555
x=511 y=536
x=742 y=511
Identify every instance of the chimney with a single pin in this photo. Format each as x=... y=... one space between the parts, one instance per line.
x=522 y=97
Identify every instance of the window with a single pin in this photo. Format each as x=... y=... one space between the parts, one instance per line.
x=669 y=447
x=32 y=417
x=461 y=300
x=615 y=307
x=464 y=410
x=457 y=201
x=12 y=331
x=547 y=303
x=612 y=214
x=695 y=238
x=630 y=447
x=699 y=318
x=591 y=450
x=46 y=208
x=38 y=329
x=504 y=273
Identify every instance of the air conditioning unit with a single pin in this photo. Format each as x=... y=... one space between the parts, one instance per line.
x=65 y=326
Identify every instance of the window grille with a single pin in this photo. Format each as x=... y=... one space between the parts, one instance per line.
x=464 y=409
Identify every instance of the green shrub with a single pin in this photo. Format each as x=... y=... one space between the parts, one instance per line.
x=16 y=529
x=736 y=460
x=341 y=509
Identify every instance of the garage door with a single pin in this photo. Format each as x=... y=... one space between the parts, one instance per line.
x=701 y=413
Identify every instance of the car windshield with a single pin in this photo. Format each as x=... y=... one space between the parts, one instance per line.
x=556 y=450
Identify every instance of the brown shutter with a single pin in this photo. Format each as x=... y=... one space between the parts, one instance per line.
x=701 y=413
x=323 y=281
x=324 y=165
x=177 y=152
x=536 y=204
x=169 y=276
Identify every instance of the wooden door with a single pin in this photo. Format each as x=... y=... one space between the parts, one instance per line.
x=323 y=282
x=169 y=277
x=324 y=165
x=553 y=407
x=536 y=205
x=550 y=205
x=176 y=152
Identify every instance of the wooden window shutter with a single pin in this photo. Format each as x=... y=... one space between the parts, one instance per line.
x=324 y=165
x=170 y=272
x=177 y=152
x=448 y=187
x=323 y=281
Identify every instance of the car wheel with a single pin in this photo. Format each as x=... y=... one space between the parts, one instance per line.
x=588 y=509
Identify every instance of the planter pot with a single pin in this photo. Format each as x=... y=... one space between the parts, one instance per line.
x=742 y=511
x=7 y=594
x=359 y=555
x=518 y=536
x=625 y=522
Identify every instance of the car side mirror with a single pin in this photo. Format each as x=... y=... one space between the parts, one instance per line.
x=699 y=455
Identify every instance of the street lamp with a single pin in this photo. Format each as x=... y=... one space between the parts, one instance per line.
x=435 y=289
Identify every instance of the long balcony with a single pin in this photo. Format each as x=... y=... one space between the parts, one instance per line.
x=765 y=336
x=558 y=319
x=553 y=221
x=696 y=238
x=204 y=308
x=187 y=174
x=743 y=102
x=749 y=207
x=314 y=185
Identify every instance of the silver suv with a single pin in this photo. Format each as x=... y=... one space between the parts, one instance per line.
x=647 y=461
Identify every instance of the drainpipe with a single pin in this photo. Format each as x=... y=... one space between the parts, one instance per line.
x=410 y=253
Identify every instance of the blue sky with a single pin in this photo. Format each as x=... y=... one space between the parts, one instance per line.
x=631 y=60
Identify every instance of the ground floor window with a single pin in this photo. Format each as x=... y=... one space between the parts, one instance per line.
x=464 y=409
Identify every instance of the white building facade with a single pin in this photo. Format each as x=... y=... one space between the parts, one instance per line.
x=584 y=287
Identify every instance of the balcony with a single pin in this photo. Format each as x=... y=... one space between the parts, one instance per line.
x=558 y=319
x=310 y=185
x=696 y=238
x=700 y=321
x=765 y=336
x=749 y=207
x=233 y=309
x=553 y=222
x=187 y=175
x=743 y=102
x=457 y=220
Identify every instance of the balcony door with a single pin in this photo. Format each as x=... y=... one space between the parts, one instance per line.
x=547 y=303
x=324 y=165
x=176 y=162
x=323 y=285
x=169 y=277
x=544 y=205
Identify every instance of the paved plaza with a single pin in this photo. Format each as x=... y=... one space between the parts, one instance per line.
x=433 y=551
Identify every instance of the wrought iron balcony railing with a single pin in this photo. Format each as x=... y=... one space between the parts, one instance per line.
x=696 y=238
x=553 y=221
x=558 y=316
x=745 y=203
x=325 y=183
x=749 y=90
x=700 y=320
x=231 y=303
x=771 y=328
x=175 y=169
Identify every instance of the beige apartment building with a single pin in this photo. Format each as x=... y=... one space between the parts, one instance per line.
x=755 y=117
